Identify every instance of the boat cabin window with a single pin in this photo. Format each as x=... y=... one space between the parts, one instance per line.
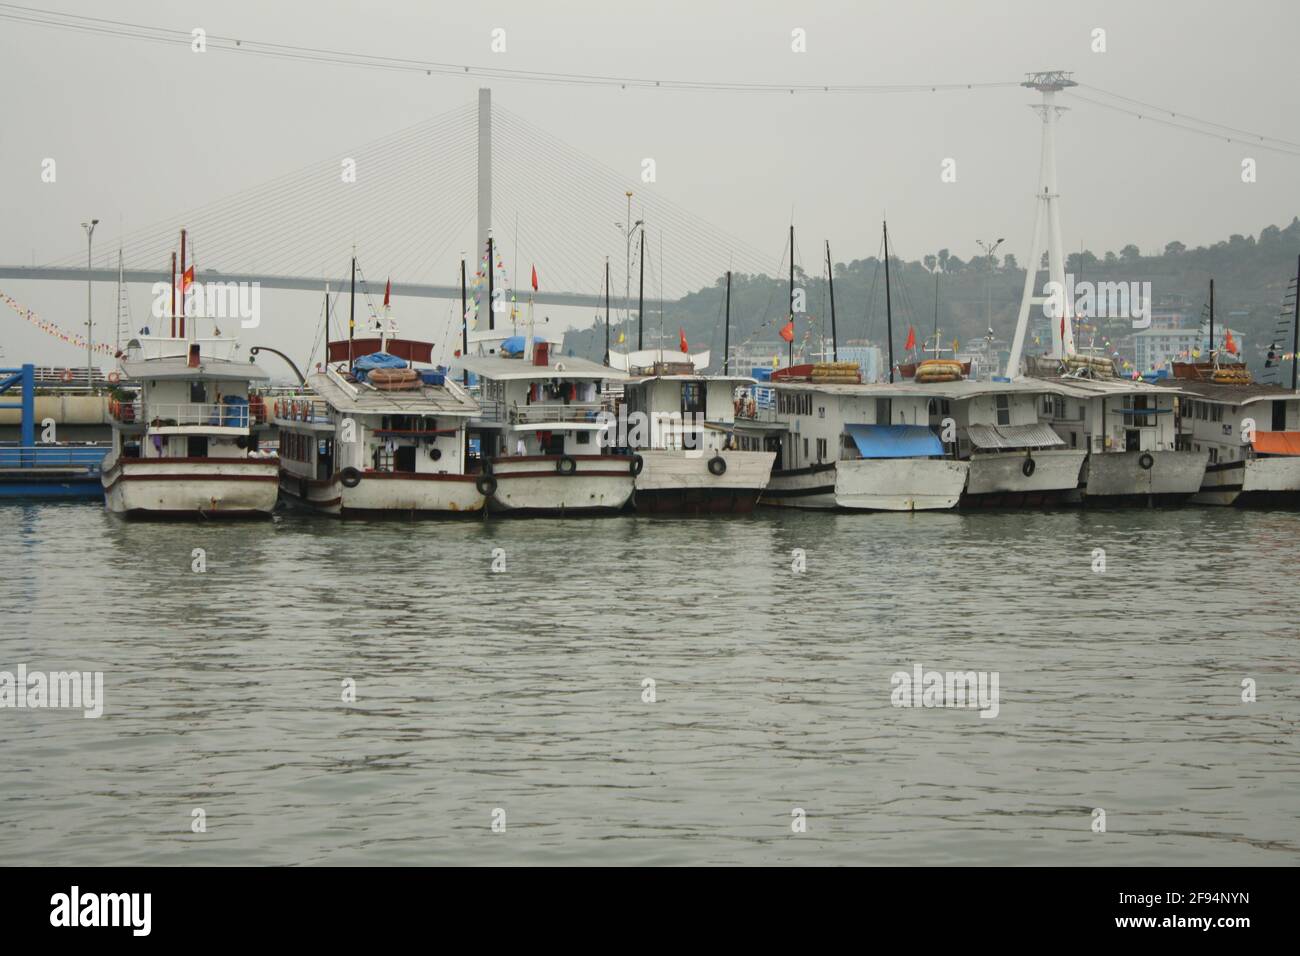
x=198 y=446
x=404 y=458
x=198 y=392
x=821 y=449
x=693 y=398
x=1004 y=409
x=1279 y=415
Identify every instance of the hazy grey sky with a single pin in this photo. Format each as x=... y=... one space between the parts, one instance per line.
x=142 y=131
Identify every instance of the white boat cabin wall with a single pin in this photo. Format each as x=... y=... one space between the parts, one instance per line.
x=1114 y=420
x=676 y=413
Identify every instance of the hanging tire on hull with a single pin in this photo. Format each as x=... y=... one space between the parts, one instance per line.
x=486 y=485
x=350 y=477
x=1028 y=467
x=717 y=466
x=566 y=465
x=1146 y=461
x=636 y=465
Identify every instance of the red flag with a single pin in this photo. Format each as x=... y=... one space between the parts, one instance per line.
x=787 y=331
x=1062 y=330
x=534 y=278
x=681 y=333
x=187 y=280
x=1229 y=344
x=388 y=290
x=911 y=339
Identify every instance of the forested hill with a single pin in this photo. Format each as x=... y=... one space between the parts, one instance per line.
x=1251 y=274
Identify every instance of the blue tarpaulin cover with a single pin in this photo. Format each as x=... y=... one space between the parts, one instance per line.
x=376 y=360
x=895 y=441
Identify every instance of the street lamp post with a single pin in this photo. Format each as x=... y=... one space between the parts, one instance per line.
x=989 y=249
x=628 y=230
x=90 y=327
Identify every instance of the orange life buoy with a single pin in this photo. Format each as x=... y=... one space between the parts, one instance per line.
x=114 y=378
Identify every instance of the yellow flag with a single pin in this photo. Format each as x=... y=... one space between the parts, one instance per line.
x=776 y=361
x=954 y=346
x=621 y=338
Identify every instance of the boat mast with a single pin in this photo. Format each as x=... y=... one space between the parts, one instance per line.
x=1211 y=320
x=726 y=331
x=640 y=299
x=492 y=324
x=889 y=311
x=183 y=308
x=607 y=310
x=464 y=324
x=830 y=275
x=119 y=300
x=1295 y=334
x=173 y=295
x=791 y=343
x=352 y=310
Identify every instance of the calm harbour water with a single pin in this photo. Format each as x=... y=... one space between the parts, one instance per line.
x=523 y=690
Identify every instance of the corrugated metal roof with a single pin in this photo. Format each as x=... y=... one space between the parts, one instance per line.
x=1037 y=435
x=895 y=441
x=428 y=400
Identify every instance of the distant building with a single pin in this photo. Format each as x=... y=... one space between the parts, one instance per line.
x=1157 y=347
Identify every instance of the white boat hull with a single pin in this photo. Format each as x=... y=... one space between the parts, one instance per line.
x=900 y=484
x=381 y=494
x=536 y=485
x=681 y=482
x=1118 y=477
x=811 y=488
x=1255 y=481
x=999 y=477
x=191 y=487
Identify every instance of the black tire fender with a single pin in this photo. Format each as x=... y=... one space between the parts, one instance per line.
x=350 y=477
x=566 y=465
x=717 y=466
x=1146 y=461
x=1028 y=466
x=486 y=485
x=635 y=465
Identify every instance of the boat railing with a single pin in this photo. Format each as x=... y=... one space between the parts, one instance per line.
x=189 y=414
x=160 y=347
x=89 y=455
x=301 y=409
x=538 y=413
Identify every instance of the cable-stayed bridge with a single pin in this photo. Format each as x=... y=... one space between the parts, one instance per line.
x=412 y=202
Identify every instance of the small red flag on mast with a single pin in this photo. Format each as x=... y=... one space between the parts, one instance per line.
x=187 y=280
x=534 y=278
x=388 y=290
x=787 y=331
x=681 y=334
x=911 y=339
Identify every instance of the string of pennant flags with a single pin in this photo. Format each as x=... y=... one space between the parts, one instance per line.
x=53 y=329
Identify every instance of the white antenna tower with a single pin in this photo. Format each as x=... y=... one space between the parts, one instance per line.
x=1047 y=218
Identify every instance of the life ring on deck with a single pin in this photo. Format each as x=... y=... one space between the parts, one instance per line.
x=717 y=466
x=67 y=375
x=566 y=465
x=114 y=378
x=635 y=465
x=1146 y=461
x=350 y=477
x=1028 y=466
x=486 y=485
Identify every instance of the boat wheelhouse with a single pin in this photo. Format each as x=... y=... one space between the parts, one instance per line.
x=1130 y=431
x=860 y=447
x=681 y=424
x=187 y=445
x=381 y=440
x=1015 y=459
x=1251 y=433
x=540 y=433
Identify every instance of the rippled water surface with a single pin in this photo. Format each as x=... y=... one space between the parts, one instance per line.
x=523 y=690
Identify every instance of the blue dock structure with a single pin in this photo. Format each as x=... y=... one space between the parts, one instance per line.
x=29 y=469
